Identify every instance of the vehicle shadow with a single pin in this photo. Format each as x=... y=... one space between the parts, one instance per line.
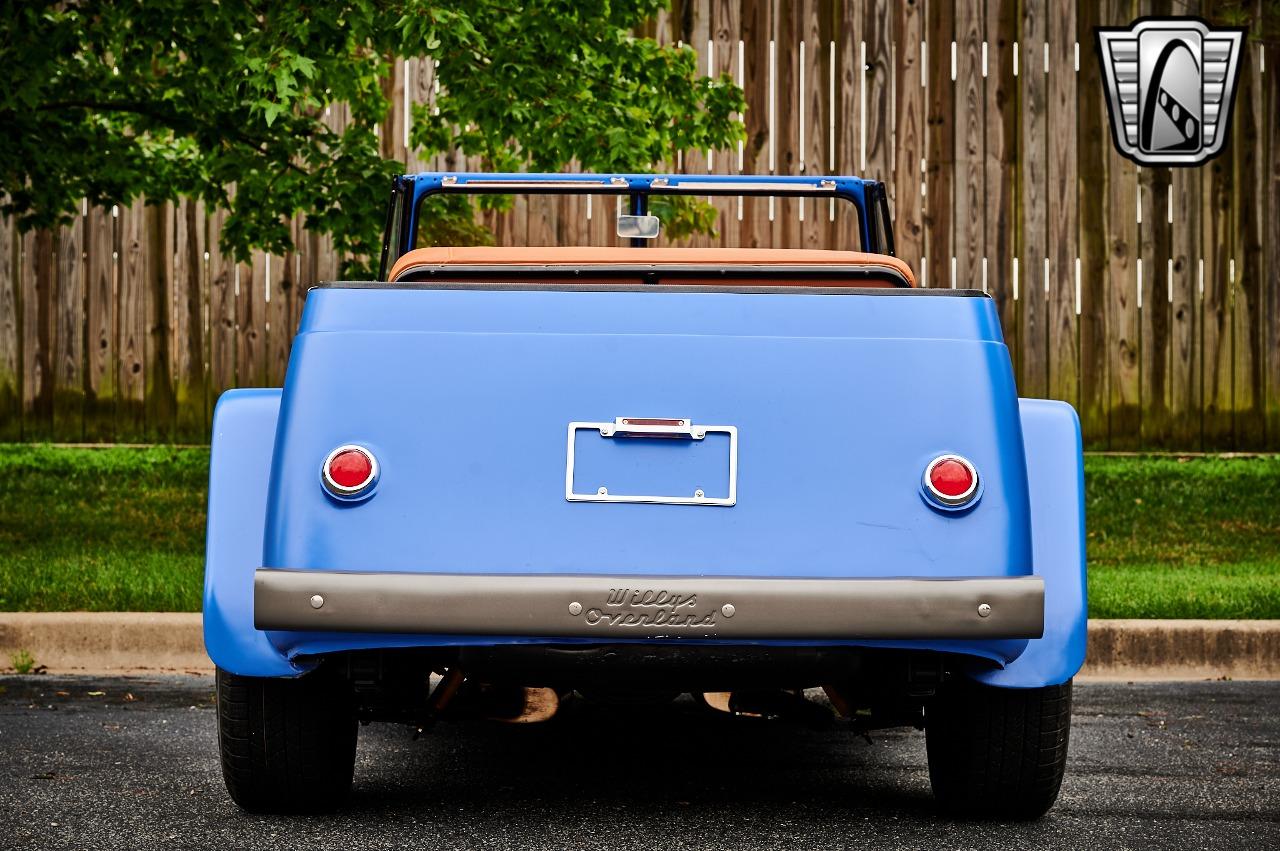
x=681 y=757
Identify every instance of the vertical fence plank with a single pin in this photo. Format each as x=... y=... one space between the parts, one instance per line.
x=10 y=374
x=101 y=368
x=222 y=313
x=1184 y=354
x=158 y=296
x=669 y=27
x=1122 y=312
x=875 y=139
x=1063 y=246
x=391 y=133
x=970 y=109
x=544 y=217
x=1169 y=239
x=279 y=319
x=786 y=220
x=691 y=24
x=1184 y=405
x=179 y=328
x=1001 y=157
x=813 y=121
x=1249 y=419
x=416 y=92
x=1033 y=336
x=1215 y=307
x=303 y=269
x=190 y=295
x=37 y=332
x=68 y=333
x=601 y=227
x=757 y=22
x=571 y=218
x=514 y=226
x=131 y=321
x=423 y=91
x=1153 y=187
x=939 y=195
x=179 y=263
x=698 y=36
x=328 y=260
x=860 y=28
x=1092 y=193
x=827 y=94
x=1182 y=393
x=875 y=104
x=1271 y=261
x=1154 y=303
x=726 y=32
x=251 y=323
x=1217 y=178
x=909 y=133
x=1153 y=249
x=337 y=116
x=1217 y=188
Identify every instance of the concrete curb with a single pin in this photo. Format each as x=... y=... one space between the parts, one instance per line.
x=120 y=642
x=105 y=642
x=1184 y=649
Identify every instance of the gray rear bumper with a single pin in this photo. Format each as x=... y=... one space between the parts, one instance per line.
x=613 y=607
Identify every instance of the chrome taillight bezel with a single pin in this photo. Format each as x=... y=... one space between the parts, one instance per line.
x=949 y=501
x=349 y=493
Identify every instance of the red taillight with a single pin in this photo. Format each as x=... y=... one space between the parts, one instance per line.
x=349 y=471
x=951 y=480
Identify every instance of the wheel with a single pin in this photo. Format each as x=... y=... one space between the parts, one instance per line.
x=995 y=752
x=287 y=745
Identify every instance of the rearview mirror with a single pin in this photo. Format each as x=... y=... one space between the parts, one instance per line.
x=638 y=227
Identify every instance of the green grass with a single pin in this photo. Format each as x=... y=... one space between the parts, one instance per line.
x=1249 y=590
x=118 y=529
x=123 y=529
x=1183 y=537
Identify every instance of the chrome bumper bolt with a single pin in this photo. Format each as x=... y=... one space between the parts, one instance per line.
x=984 y=610
x=575 y=608
x=727 y=610
x=316 y=601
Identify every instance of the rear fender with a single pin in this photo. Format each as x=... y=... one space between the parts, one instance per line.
x=1055 y=473
x=244 y=433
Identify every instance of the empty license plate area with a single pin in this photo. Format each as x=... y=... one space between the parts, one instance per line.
x=651 y=460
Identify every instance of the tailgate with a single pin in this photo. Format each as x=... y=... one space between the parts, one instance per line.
x=770 y=434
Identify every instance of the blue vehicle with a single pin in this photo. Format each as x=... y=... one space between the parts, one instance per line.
x=627 y=473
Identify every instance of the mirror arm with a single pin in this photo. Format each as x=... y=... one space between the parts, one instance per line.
x=639 y=206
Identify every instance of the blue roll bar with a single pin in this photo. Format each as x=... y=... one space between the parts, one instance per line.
x=409 y=190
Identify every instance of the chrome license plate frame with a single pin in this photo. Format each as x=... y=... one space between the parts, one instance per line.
x=652 y=428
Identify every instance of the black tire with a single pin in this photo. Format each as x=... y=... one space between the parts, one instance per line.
x=287 y=745
x=997 y=753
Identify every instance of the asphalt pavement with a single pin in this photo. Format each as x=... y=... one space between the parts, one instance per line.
x=132 y=763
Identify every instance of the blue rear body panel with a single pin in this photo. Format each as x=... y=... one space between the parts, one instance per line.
x=464 y=396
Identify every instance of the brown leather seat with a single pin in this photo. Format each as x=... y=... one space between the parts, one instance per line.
x=550 y=258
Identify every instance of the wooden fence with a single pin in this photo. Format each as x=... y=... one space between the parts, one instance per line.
x=1149 y=298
